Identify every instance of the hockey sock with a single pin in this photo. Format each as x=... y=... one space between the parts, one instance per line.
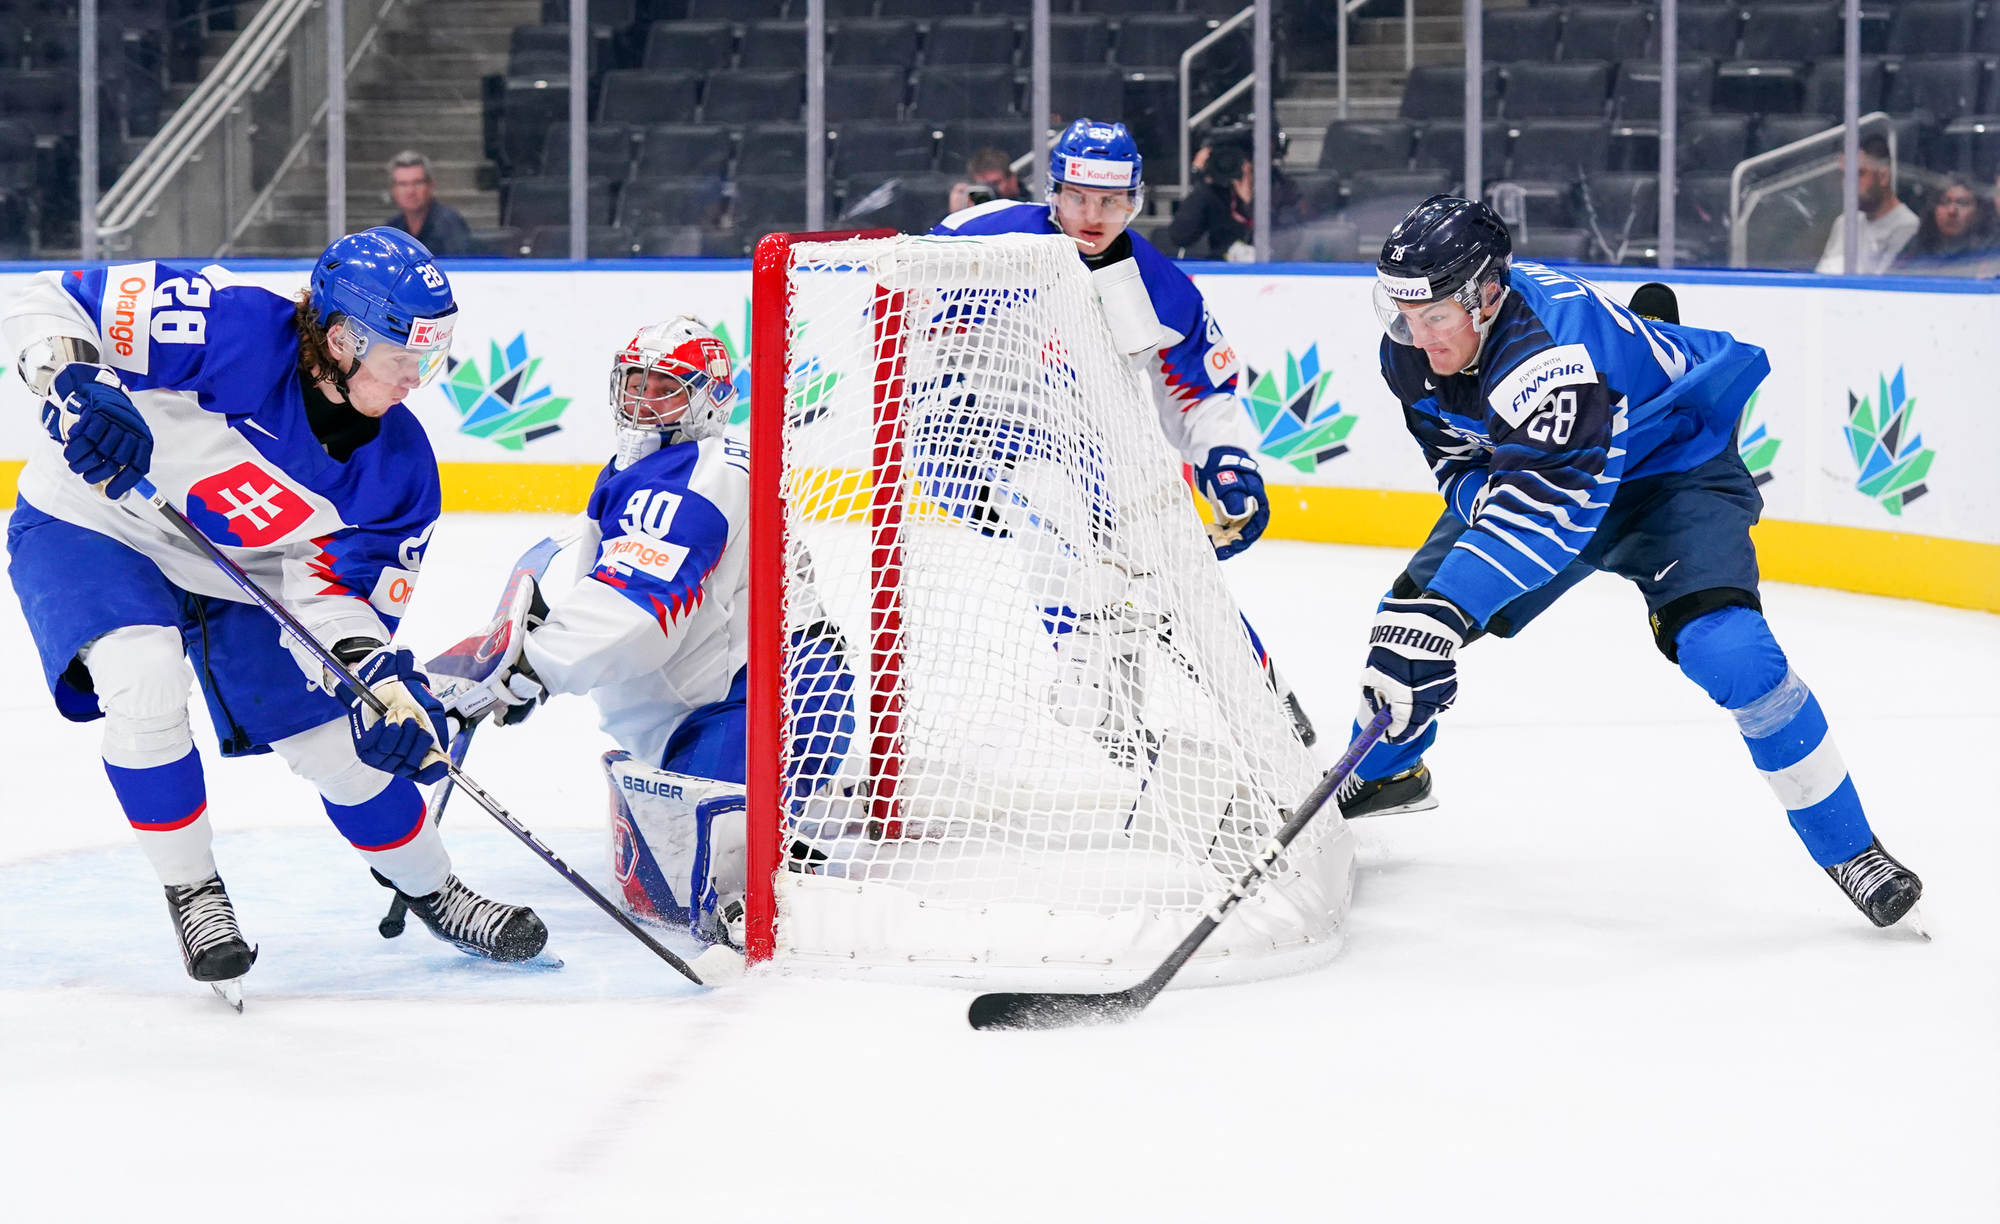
x=1385 y=759
x=166 y=806
x=394 y=834
x=1733 y=656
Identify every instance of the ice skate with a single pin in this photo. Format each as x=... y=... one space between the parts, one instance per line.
x=475 y=925
x=1408 y=791
x=212 y=945
x=1879 y=886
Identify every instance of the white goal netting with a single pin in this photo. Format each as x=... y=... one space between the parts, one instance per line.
x=1062 y=745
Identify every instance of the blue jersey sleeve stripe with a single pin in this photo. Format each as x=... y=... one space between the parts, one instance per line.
x=1525 y=523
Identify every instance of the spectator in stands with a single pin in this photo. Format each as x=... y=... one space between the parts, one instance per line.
x=989 y=175
x=1955 y=236
x=1214 y=221
x=1887 y=224
x=438 y=226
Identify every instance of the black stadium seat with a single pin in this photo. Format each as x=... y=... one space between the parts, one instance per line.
x=945 y=94
x=1366 y=144
x=1774 y=131
x=1826 y=85
x=775 y=202
x=773 y=44
x=527 y=108
x=694 y=150
x=1437 y=91
x=1606 y=31
x=1520 y=34
x=1559 y=148
x=1441 y=146
x=1928 y=27
x=691 y=46
x=545 y=201
x=1621 y=208
x=640 y=96
x=1079 y=38
x=1791 y=32
x=966 y=137
x=1087 y=93
x=970 y=40
x=1712 y=144
x=608 y=145
x=1638 y=94
x=1941 y=86
x=865 y=93
x=772 y=149
x=883 y=148
x=888 y=42
x=1753 y=87
x=1557 y=90
x=750 y=94
x=1154 y=42
x=737 y=10
x=1706 y=31
x=669 y=201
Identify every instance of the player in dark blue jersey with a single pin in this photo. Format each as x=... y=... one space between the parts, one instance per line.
x=1568 y=435
x=277 y=427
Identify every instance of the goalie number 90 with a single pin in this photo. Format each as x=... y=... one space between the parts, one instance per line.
x=1555 y=422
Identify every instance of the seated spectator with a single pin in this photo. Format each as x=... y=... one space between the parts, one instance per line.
x=1214 y=221
x=1955 y=235
x=989 y=175
x=1887 y=224
x=438 y=226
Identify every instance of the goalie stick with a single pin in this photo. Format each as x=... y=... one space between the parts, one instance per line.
x=1055 y=1009
x=342 y=672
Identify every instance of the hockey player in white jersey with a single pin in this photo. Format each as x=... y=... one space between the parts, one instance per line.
x=277 y=427
x=645 y=609
x=1157 y=317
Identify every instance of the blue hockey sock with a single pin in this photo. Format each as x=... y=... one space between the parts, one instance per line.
x=1733 y=656
x=165 y=805
x=1386 y=760
x=394 y=834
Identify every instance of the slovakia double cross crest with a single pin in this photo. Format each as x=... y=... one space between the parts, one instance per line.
x=246 y=506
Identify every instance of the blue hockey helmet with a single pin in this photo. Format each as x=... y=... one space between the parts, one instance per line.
x=1447 y=249
x=1099 y=156
x=394 y=299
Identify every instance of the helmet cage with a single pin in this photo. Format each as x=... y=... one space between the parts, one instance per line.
x=697 y=373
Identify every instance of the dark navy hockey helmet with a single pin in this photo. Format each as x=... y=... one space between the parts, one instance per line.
x=394 y=298
x=1445 y=249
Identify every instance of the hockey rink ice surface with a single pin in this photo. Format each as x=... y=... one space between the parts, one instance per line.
x=1602 y=982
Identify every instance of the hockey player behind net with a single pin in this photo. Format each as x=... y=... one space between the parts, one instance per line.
x=278 y=428
x=642 y=607
x=1160 y=321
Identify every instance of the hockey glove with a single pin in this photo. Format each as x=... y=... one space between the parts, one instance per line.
x=104 y=438
x=487 y=674
x=1235 y=492
x=409 y=742
x=1412 y=662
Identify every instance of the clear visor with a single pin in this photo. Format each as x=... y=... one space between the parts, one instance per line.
x=1090 y=207
x=647 y=397
x=1420 y=323
x=408 y=365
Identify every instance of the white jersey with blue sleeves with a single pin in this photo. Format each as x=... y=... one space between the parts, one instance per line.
x=1193 y=369
x=1574 y=395
x=213 y=367
x=649 y=596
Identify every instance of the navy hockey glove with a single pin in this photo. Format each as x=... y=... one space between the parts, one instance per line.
x=1235 y=491
x=409 y=742
x=105 y=440
x=1412 y=662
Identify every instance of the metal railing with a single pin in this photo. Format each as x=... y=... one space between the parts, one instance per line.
x=1188 y=122
x=1789 y=168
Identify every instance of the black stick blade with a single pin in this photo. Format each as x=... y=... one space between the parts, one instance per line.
x=1052 y=1011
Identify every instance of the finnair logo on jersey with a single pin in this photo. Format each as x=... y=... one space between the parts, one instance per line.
x=1096 y=172
x=247 y=507
x=1405 y=288
x=1518 y=394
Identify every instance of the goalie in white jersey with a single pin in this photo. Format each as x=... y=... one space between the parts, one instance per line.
x=643 y=605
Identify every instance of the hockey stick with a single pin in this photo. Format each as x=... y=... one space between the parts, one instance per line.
x=1046 y=1010
x=336 y=668
x=392 y=922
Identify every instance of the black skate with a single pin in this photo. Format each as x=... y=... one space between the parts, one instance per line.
x=212 y=944
x=474 y=925
x=1409 y=791
x=1879 y=886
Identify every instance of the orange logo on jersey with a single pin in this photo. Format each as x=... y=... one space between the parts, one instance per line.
x=255 y=507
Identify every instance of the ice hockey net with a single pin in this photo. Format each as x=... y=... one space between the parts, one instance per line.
x=1062 y=743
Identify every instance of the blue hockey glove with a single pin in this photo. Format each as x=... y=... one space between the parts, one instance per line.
x=1412 y=666
x=1235 y=491
x=105 y=440
x=409 y=742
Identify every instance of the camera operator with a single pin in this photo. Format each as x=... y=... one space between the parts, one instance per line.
x=989 y=176
x=1213 y=222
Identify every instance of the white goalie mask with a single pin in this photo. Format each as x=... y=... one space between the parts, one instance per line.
x=670 y=383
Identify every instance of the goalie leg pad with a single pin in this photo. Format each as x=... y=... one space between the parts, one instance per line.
x=678 y=846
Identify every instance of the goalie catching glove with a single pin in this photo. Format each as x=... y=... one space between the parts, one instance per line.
x=1235 y=491
x=409 y=741
x=486 y=674
x=1412 y=662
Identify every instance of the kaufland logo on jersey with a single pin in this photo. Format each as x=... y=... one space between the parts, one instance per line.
x=429 y=333
x=1096 y=172
x=246 y=507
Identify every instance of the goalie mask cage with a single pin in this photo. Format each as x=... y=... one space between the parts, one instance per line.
x=1061 y=746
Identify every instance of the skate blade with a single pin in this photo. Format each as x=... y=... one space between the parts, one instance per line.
x=230 y=992
x=1914 y=923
